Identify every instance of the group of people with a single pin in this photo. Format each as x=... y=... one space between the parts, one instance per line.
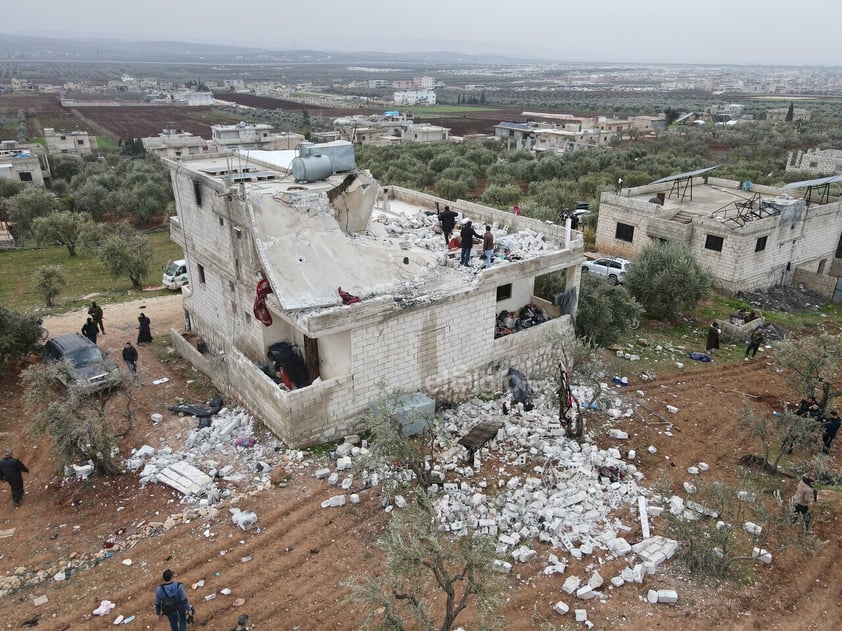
x=171 y=602
x=95 y=326
x=467 y=238
x=752 y=344
x=830 y=421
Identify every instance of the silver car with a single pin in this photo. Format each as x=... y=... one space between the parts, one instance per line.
x=612 y=267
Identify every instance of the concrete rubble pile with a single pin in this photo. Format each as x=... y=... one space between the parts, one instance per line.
x=226 y=452
x=542 y=487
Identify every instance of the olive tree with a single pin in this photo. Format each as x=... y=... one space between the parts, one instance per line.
x=667 y=279
x=122 y=250
x=18 y=334
x=65 y=228
x=48 y=282
x=812 y=364
x=28 y=205
x=605 y=311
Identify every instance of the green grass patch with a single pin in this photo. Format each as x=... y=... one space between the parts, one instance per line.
x=84 y=274
x=104 y=143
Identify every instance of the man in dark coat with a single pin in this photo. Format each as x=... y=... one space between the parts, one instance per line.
x=130 y=357
x=713 y=338
x=447 y=219
x=144 y=333
x=95 y=311
x=831 y=428
x=10 y=470
x=468 y=235
x=89 y=330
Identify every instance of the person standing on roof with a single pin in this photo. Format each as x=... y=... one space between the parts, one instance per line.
x=488 y=245
x=447 y=219
x=468 y=235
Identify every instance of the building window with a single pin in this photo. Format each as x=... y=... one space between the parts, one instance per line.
x=201 y=274
x=814 y=165
x=713 y=242
x=80 y=142
x=221 y=221
x=25 y=176
x=624 y=232
x=504 y=292
x=233 y=308
x=197 y=193
x=760 y=245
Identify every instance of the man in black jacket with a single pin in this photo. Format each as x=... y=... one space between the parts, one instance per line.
x=447 y=219
x=468 y=234
x=10 y=470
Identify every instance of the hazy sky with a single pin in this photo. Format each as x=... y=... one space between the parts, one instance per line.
x=783 y=32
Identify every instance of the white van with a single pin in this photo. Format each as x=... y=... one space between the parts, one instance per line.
x=175 y=275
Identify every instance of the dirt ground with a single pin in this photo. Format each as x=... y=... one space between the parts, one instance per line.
x=300 y=553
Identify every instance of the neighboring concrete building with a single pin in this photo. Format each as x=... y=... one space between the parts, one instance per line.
x=819 y=161
x=748 y=236
x=415 y=97
x=175 y=143
x=423 y=323
x=73 y=143
x=253 y=136
x=515 y=135
x=20 y=165
x=779 y=114
x=649 y=123
x=423 y=133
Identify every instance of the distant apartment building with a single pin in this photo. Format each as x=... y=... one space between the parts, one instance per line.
x=415 y=97
x=73 y=143
x=253 y=136
x=174 y=143
x=819 y=161
x=778 y=114
x=20 y=164
x=649 y=123
x=417 y=83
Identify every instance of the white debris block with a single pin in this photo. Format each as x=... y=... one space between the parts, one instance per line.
x=524 y=554
x=672 y=409
x=503 y=567
x=644 y=516
x=321 y=474
x=355 y=498
x=762 y=555
x=620 y=546
x=347 y=482
x=344 y=450
x=585 y=592
x=654 y=511
x=243 y=519
x=581 y=615
x=703 y=466
x=184 y=478
x=343 y=463
x=679 y=365
x=595 y=581
x=752 y=528
x=146 y=451
x=618 y=434
x=652 y=449
x=693 y=470
x=571 y=584
x=690 y=488
x=638 y=572
x=333 y=479
x=627 y=574
x=618 y=581
x=561 y=608
x=668 y=596
x=400 y=502
x=334 y=502
x=702 y=510
x=632 y=454
x=652 y=596
x=156 y=418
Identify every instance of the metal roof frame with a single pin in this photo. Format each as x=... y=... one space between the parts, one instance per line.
x=820 y=185
x=683 y=178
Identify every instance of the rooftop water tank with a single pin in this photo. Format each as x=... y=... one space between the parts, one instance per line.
x=311 y=168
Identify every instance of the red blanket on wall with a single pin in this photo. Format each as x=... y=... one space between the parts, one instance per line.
x=261 y=312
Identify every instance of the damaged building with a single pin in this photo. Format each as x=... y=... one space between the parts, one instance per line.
x=314 y=291
x=749 y=236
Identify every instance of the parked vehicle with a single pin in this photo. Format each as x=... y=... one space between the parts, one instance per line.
x=612 y=267
x=175 y=275
x=87 y=368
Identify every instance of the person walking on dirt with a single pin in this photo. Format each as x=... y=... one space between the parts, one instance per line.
x=10 y=470
x=89 y=330
x=805 y=495
x=95 y=311
x=712 y=341
x=144 y=333
x=171 y=601
x=831 y=428
x=754 y=342
x=130 y=357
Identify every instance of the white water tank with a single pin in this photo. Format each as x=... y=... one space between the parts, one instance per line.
x=311 y=168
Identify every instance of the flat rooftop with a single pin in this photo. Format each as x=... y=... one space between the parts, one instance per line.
x=706 y=198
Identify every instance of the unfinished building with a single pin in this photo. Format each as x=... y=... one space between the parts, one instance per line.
x=303 y=252
x=749 y=236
